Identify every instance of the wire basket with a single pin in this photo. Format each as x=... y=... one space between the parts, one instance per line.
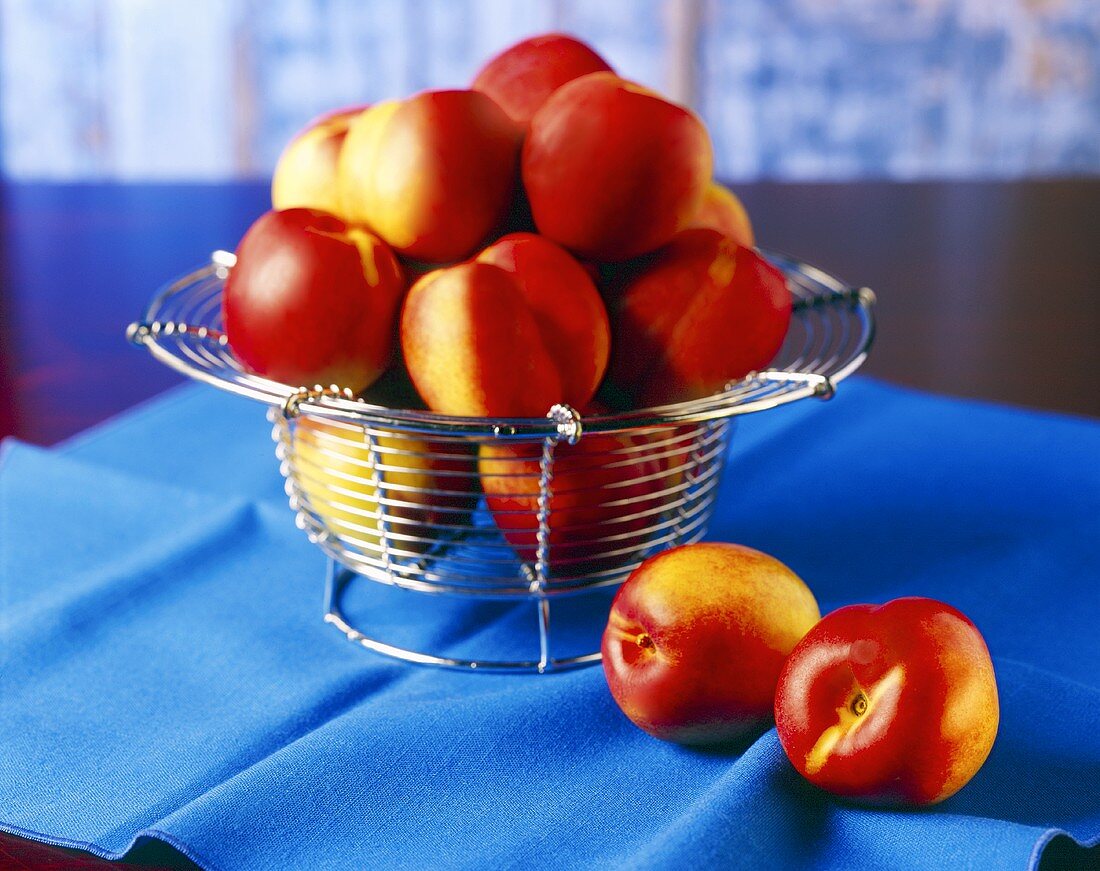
x=530 y=509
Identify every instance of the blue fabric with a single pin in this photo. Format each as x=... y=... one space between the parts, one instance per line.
x=164 y=671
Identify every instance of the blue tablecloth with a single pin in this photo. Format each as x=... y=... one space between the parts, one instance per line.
x=164 y=670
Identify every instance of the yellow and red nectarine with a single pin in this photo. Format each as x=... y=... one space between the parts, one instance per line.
x=431 y=175
x=722 y=210
x=697 y=637
x=414 y=483
x=305 y=174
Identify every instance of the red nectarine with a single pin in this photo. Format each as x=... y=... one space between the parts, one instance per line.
x=892 y=704
x=568 y=309
x=312 y=301
x=699 y=312
x=611 y=169
x=521 y=77
x=606 y=489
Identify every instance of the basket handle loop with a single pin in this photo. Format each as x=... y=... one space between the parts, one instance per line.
x=292 y=405
x=823 y=387
x=568 y=421
x=569 y=428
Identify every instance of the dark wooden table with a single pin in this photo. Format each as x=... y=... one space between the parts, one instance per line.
x=986 y=290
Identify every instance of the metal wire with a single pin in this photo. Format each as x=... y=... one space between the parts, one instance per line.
x=831 y=331
x=521 y=509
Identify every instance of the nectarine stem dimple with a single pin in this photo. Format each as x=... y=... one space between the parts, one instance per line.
x=644 y=641
x=859 y=705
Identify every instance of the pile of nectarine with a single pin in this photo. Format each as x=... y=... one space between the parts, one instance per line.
x=511 y=246
x=551 y=233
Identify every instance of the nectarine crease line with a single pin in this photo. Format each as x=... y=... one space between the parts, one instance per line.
x=851 y=716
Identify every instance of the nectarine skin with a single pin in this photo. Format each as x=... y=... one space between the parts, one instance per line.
x=305 y=174
x=611 y=169
x=422 y=482
x=522 y=77
x=894 y=704
x=592 y=480
x=699 y=312
x=432 y=175
x=722 y=210
x=472 y=346
x=568 y=309
x=697 y=637
x=312 y=301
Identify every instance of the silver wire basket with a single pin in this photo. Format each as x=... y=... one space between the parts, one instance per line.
x=531 y=509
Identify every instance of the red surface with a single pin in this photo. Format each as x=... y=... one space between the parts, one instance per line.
x=19 y=854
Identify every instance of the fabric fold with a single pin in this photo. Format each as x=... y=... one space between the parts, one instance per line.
x=165 y=672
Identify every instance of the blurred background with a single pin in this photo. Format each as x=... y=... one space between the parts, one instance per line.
x=791 y=89
x=944 y=152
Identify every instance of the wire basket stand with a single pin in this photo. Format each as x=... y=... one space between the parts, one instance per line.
x=525 y=509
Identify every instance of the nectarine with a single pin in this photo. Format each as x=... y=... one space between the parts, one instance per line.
x=521 y=77
x=431 y=175
x=697 y=637
x=699 y=312
x=606 y=489
x=611 y=169
x=312 y=300
x=510 y=334
x=722 y=210
x=568 y=309
x=415 y=483
x=891 y=704
x=305 y=174
x=472 y=346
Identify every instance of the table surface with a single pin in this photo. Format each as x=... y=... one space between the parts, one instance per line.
x=988 y=290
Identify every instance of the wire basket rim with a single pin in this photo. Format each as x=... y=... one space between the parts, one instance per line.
x=757 y=391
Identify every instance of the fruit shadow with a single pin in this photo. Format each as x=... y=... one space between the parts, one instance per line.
x=807 y=804
x=1040 y=773
x=1044 y=769
x=1062 y=853
x=759 y=784
x=466 y=627
x=1022 y=784
x=731 y=749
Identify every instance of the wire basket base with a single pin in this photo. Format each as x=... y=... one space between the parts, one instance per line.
x=542 y=661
